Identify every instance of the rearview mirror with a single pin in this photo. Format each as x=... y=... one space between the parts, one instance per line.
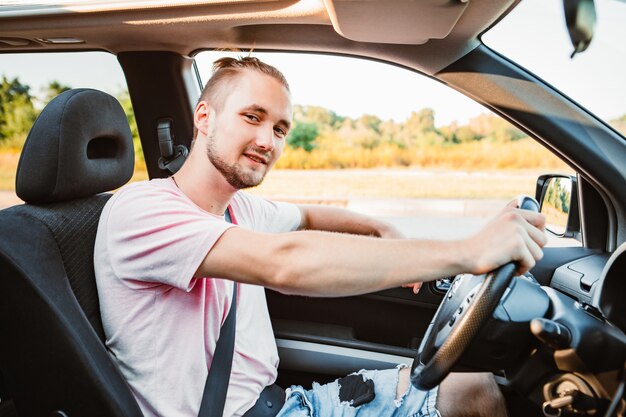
x=580 y=18
x=558 y=199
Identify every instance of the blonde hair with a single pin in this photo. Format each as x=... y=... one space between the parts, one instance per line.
x=227 y=69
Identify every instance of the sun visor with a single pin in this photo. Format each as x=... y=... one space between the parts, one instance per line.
x=395 y=21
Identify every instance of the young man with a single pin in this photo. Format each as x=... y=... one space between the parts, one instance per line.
x=166 y=262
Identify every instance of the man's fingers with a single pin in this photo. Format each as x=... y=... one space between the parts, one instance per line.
x=534 y=249
x=531 y=254
x=525 y=266
x=531 y=251
x=519 y=235
x=415 y=286
x=536 y=219
x=512 y=204
x=532 y=225
x=537 y=235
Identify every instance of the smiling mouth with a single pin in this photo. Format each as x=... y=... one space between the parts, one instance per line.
x=256 y=158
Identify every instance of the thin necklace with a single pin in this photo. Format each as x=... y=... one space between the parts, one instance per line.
x=175 y=183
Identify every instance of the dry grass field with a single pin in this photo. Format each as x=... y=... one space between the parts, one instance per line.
x=8 y=166
x=336 y=186
x=397 y=183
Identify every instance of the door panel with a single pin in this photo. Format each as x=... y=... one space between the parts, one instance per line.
x=333 y=336
x=321 y=338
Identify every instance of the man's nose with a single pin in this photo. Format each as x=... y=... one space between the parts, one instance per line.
x=265 y=139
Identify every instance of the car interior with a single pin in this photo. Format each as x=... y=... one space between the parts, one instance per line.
x=553 y=338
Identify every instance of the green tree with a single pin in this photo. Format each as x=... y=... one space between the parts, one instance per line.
x=565 y=200
x=303 y=135
x=17 y=113
x=419 y=129
x=449 y=133
x=324 y=119
x=389 y=132
x=465 y=134
x=370 y=122
x=127 y=105
x=422 y=121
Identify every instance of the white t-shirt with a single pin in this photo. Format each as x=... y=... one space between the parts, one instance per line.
x=161 y=323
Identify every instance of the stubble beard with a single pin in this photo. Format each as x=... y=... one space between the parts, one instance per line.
x=234 y=174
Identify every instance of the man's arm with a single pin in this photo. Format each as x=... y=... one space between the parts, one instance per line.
x=334 y=219
x=332 y=264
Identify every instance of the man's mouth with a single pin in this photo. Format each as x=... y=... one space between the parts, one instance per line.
x=256 y=158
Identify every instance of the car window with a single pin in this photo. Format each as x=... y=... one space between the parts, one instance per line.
x=29 y=81
x=392 y=143
x=368 y=136
x=586 y=77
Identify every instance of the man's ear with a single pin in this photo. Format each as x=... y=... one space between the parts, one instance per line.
x=203 y=117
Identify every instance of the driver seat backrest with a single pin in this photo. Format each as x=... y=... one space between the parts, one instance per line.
x=52 y=356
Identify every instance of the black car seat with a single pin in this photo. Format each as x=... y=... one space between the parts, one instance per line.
x=53 y=361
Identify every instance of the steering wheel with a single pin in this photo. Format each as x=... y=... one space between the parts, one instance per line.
x=465 y=309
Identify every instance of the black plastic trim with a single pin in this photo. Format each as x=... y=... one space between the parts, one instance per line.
x=325 y=334
x=156 y=84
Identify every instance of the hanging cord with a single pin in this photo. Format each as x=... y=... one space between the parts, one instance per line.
x=618 y=398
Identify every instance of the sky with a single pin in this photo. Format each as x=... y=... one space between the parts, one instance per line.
x=533 y=35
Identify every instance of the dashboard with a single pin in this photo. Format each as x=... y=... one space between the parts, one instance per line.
x=597 y=282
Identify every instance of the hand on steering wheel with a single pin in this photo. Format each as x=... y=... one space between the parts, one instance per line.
x=465 y=309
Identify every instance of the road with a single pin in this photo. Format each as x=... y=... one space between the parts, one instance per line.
x=418 y=218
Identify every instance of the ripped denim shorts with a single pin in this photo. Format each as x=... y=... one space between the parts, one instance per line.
x=362 y=394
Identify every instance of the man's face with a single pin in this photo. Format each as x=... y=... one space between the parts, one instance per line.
x=248 y=133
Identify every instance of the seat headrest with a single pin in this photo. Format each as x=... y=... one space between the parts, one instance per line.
x=80 y=145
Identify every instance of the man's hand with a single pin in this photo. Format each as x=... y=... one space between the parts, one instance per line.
x=513 y=234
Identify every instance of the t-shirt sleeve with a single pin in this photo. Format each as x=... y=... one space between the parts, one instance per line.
x=268 y=216
x=155 y=235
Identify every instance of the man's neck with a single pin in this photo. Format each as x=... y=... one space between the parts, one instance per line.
x=205 y=186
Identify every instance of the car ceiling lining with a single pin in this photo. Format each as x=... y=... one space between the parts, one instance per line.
x=282 y=24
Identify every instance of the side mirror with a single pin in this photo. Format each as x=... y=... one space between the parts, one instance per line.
x=558 y=198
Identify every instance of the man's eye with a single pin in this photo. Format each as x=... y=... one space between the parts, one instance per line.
x=280 y=132
x=252 y=117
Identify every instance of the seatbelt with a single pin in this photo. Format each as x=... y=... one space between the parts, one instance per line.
x=218 y=379
x=172 y=156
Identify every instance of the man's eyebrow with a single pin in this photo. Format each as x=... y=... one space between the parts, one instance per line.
x=260 y=109
x=257 y=108
x=285 y=123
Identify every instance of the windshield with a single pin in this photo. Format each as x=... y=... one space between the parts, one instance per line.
x=534 y=35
